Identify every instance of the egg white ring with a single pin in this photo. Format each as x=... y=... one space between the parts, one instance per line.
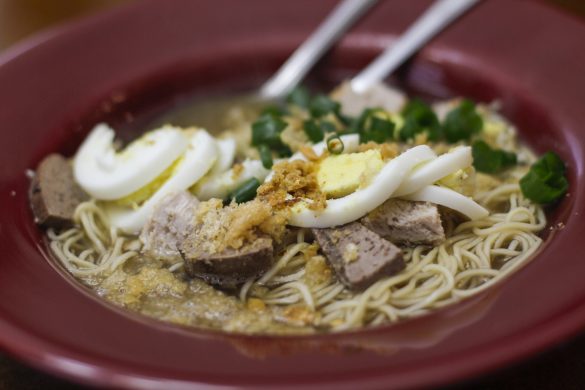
x=107 y=175
x=197 y=161
x=226 y=152
x=221 y=185
x=435 y=170
x=451 y=199
x=357 y=204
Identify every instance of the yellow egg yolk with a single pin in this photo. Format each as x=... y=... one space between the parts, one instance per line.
x=340 y=175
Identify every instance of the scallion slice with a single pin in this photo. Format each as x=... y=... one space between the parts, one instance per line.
x=335 y=144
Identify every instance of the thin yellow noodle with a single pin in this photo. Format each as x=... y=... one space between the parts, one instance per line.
x=288 y=278
x=432 y=277
x=305 y=293
x=475 y=256
x=331 y=294
x=286 y=300
x=90 y=248
x=175 y=267
x=290 y=252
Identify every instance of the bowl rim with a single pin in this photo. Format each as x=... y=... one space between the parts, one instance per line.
x=75 y=364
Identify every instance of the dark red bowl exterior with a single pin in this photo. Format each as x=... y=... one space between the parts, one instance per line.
x=126 y=65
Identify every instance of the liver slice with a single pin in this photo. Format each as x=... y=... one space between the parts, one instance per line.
x=359 y=256
x=54 y=195
x=171 y=235
x=230 y=267
x=407 y=223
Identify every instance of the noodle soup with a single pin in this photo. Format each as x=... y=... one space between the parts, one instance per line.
x=331 y=213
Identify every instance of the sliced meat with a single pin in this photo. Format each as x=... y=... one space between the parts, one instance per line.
x=359 y=256
x=173 y=218
x=54 y=195
x=380 y=96
x=407 y=223
x=229 y=267
x=228 y=247
x=220 y=244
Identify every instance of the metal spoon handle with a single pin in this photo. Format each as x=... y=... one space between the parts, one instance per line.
x=303 y=59
x=437 y=17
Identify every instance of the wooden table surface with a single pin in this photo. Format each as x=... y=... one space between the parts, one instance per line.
x=560 y=368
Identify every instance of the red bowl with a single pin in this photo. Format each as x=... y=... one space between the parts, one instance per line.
x=128 y=65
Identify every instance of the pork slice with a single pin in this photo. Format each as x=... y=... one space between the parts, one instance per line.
x=229 y=267
x=171 y=221
x=407 y=223
x=176 y=232
x=359 y=256
x=54 y=195
x=379 y=95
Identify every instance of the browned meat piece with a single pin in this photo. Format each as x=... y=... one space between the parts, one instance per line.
x=229 y=267
x=228 y=245
x=380 y=95
x=359 y=256
x=54 y=194
x=222 y=245
x=407 y=223
x=172 y=219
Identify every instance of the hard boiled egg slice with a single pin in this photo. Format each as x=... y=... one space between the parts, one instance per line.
x=226 y=152
x=107 y=175
x=436 y=169
x=451 y=199
x=357 y=204
x=198 y=159
x=340 y=175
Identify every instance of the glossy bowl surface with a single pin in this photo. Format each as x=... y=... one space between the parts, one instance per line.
x=129 y=65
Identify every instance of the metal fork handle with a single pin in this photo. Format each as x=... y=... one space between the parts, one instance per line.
x=306 y=55
x=435 y=19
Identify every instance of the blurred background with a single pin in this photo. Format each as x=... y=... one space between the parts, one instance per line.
x=561 y=368
x=21 y=18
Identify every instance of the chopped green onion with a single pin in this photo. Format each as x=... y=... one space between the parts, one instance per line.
x=344 y=119
x=545 y=182
x=335 y=144
x=357 y=124
x=316 y=129
x=266 y=130
x=322 y=105
x=299 y=97
x=327 y=126
x=283 y=151
x=313 y=130
x=488 y=160
x=273 y=111
x=266 y=136
x=419 y=118
x=462 y=122
x=375 y=125
x=245 y=192
x=265 y=156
